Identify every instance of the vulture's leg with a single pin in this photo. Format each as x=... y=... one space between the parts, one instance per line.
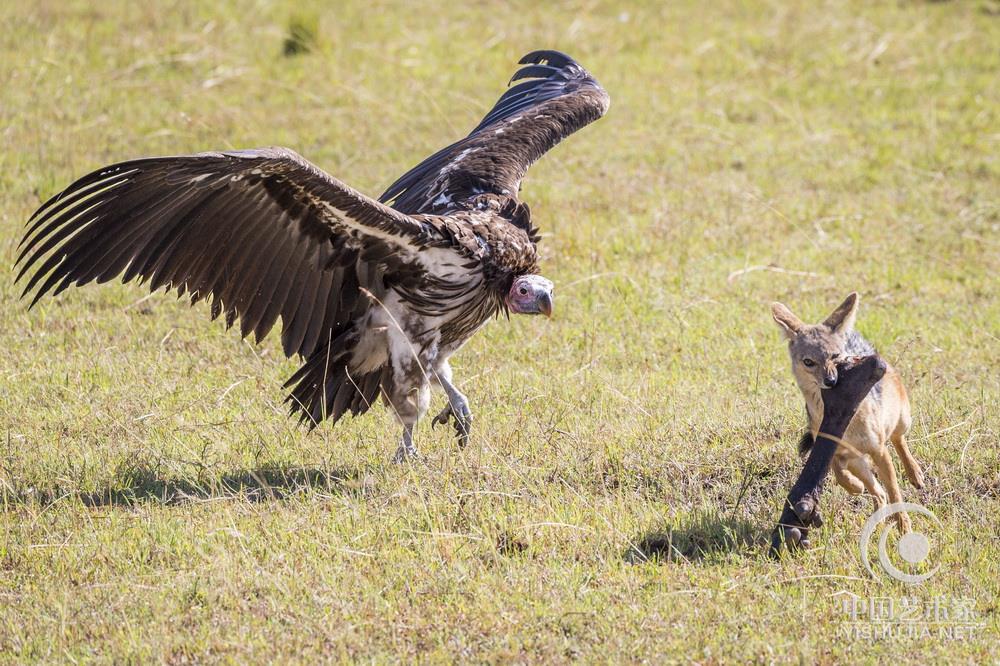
x=457 y=407
x=408 y=394
x=406 y=448
x=409 y=406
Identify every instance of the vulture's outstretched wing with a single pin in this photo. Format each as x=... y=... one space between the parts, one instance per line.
x=558 y=98
x=264 y=232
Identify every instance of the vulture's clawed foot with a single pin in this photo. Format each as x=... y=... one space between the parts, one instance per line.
x=462 y=415
x=407 y=450
x=405 y=454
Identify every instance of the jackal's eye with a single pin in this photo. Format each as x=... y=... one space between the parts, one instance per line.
x=808 y=362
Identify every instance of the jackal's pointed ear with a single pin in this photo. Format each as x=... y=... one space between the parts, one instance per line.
x=789 y=323
x=842 y=319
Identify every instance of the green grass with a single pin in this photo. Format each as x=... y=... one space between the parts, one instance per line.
x=630 y=455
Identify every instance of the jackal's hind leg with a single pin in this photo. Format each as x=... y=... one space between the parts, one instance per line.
x=887 y=472
x=859 y=467
x=910 y=465
x=845 y=479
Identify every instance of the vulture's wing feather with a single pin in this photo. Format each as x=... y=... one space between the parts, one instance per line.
x=556 y=98
x=263 y=232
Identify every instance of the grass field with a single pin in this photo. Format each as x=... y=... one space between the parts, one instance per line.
x=631 y=454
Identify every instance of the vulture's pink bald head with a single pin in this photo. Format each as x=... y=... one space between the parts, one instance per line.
x=531 y=294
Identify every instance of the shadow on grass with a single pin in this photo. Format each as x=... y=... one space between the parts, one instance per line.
x=137 y=483
x=705 y=536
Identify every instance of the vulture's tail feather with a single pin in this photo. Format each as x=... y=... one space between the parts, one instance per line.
x=324 y=388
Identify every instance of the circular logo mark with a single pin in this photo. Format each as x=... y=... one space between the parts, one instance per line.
x=912 y=547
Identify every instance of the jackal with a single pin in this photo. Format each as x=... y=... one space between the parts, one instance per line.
x=884 y=415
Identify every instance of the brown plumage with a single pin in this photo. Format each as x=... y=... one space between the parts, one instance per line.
x=374 y=295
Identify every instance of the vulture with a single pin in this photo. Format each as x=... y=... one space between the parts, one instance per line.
x=373 y=295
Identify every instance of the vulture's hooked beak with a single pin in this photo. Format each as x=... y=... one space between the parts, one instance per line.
x=545 y=304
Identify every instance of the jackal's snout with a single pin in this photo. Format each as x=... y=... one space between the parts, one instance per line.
x=829 y=375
